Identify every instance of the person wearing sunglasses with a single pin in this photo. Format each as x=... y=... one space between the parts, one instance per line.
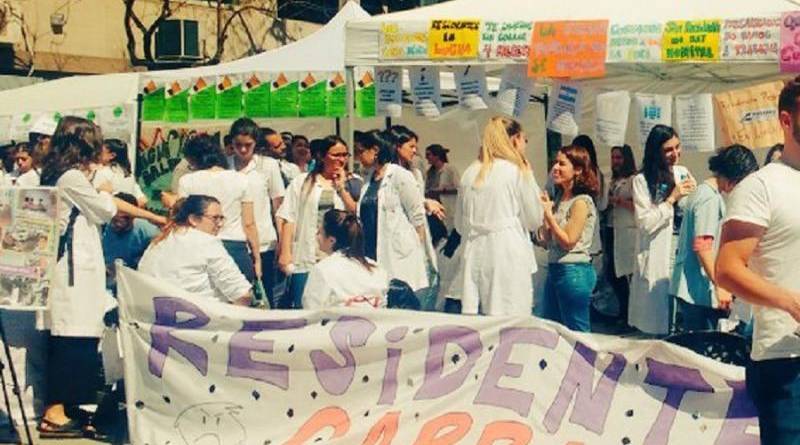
x=188 y=254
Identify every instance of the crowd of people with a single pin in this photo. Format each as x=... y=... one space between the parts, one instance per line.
x=278 y=220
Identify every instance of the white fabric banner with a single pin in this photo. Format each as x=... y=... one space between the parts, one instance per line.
x=425 y=90
x=389 y=91
x=200 y=371
x=694 y=121
x=515 y=90
x=651 y=110
x=564 y=107
x=611 y=122
x=471 y=85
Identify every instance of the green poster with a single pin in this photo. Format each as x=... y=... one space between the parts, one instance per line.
x=283 y=99
x=176 y=108
x=256 y=98
x=229 y=98
x=203 y=101
x=153 y=105
x=365 y=101
x=336 y=100
x=311 y=102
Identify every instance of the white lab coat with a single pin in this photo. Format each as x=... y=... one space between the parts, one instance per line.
x=624 y=223
x=401 y=208
x=649 y=300
x=77 y=311
x=494 y=220
x=338 y=281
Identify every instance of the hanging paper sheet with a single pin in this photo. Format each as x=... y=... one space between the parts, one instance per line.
x=256 y=92
x=749 y=116
x=611 y=123
x=153 y=101
x=311 y=94
x=754 y=38
x=336 y=95
x=229 y=96
x=568 y=49
x=691 y=40
x=202 y=99
x=425 y=91
x=505 y=40
x=471 y=86
x=116 y=122
x=407 y=40
x=176 y=106
x=453 y=39
x=564 y=107
x=694 y=121
x=365 y=92
x=283 y=96
x=515 y=91
x=651 y=110
x=790 y=42
x=634 y=43
x=389 y=91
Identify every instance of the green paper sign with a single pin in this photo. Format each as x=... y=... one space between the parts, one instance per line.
x=229 y=102
x=365 y=101
x=311 y=100
x=257 y=101
x=176 y=108
x=153 y=105
x=336 y=100
x=203 y=104
x=283 y=100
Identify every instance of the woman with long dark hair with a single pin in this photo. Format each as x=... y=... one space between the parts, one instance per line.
x=307 y=199
x=346 y=277
x=620 y=230
x=656 y=192
x=569 y=229
x=114 y=166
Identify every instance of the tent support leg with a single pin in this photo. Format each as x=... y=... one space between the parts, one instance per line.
x=351 y=109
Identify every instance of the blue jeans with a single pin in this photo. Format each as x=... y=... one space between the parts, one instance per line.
x=774 y=387
x=295 y=288
x=693 y=317
x=567 y=294
x=241 y=256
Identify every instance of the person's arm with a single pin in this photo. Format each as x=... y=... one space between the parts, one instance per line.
x=341 y=190
x=531 y=206
x=411 y=200
x=568 y=236
x=226 y=277
x=650 y=217
x=285 y=257
x=707 y=210
x=251 y=234
x=96 y=205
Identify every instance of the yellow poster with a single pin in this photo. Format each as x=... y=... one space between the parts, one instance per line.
x=691 y=40
x=453 y=39
x=749 y=116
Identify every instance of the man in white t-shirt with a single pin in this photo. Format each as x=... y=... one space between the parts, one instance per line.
x=759 y=260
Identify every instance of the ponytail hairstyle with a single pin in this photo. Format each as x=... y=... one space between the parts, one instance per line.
x=203 y=152
x=587 y=182
x=655 y=167
x=346 y=228
x=319 y=149
x=497 y=145
x=120 y=150
x=192 y=205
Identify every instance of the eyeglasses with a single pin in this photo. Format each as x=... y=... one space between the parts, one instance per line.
x=218 y=219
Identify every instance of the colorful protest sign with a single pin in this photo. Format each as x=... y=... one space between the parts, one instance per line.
x=403 y=41
x=348 y=376
x=651 y=110
x=365 y=92
x=505 y=40
x=568 y=49
x=749 y=116
x=611 y=113
x=425 y=90
x=176 y=105
x=229 y=96
x=311 y=94
x=255 y=92
x=634 y=43
x=202 y=99
x=28 y=245
x=754 y=38
x=453 y=39
x=691 y=40
x=336 y=95
x=515 y=91
x=283 y=96
x=564 y=108
x=790 y=42
x=471 y=87
x=117 y=122
x=153 y=101
x=389 y=91
x=694 y=121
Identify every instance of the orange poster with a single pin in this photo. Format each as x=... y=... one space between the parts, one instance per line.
x=568 y=49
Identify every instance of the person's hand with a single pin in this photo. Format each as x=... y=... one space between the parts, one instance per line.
x=168 y=200
x=158 y=220
x=106 y=187
x=285 y=262
x=339 y=179
x=724 y=299
x=682 y=189
x=435 y=208
x=257 y=265
x=547 y=204
x=244 y=300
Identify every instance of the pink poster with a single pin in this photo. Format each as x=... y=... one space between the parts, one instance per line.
x=790 y=42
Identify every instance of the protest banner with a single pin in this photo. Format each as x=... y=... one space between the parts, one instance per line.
x=790 y=42
x=505 y=40
x=564 y=107
x=229 y=96
x=690 y=40
x=197 y=369
x=453 y=39
x=176 y=101
x=202 y=98
x=153 y=101
x=471 y=87
x=568 y=49
x=425 y=90
x=365 y=92
x=634 y=43
x=28 y=246
x=753 y=38
x=336 y=95
x=611 y=124
x=256 y=88
x=694 y=121
x=749 y=116
x=389 y=91
x=651 y=110
x=403 y=40
x=311 y=94
x=283 y=95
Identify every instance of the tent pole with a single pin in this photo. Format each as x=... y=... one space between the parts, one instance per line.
x=351 y=109
x=388 y=122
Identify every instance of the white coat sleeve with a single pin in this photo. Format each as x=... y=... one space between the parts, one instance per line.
x=532 y=214
x=97 y=207
x=291 y=201
x=649 y=217
x=602 y=198
x=411 y=198
x=458 y=214
x=317 y=292
x=275 y=184
x=224 y=274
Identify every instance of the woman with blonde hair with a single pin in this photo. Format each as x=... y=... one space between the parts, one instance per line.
x=498 y=205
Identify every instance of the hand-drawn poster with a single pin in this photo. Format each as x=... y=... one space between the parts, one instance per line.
x=229 y=96
x=425 y=90
x=694 y=121
x=117 y=122
x=749 y=116
x=471 y=86
x=651 y=110
x=507 y=40
x=176 y=105
x=336 y=95
x=753 y=38
x=453 y=39
x=283 y=95
x=365 y=92
x=568 y=49
x=28 y=246
x=634 y=43
x=389 y=91
x=404 y=40
x=202 y=98
x=311 y=94
x=153 y=101
x=256 y=91
x=611 y=114
x=790 y=42
x=564 y=108
x=691 y=40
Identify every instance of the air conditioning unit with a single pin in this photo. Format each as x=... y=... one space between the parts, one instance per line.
x=178 y=40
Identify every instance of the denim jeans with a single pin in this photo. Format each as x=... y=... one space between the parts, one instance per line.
x=295 y=289
x=567 y=294
x=692 y=317
x=268 y=276
x=774 y=387
x=241 y=256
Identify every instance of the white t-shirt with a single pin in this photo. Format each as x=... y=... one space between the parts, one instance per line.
x=265 y=184
x=119 y=181
x=229 y=187
x=768 y=198
x=338 y=281
x=31 y=178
